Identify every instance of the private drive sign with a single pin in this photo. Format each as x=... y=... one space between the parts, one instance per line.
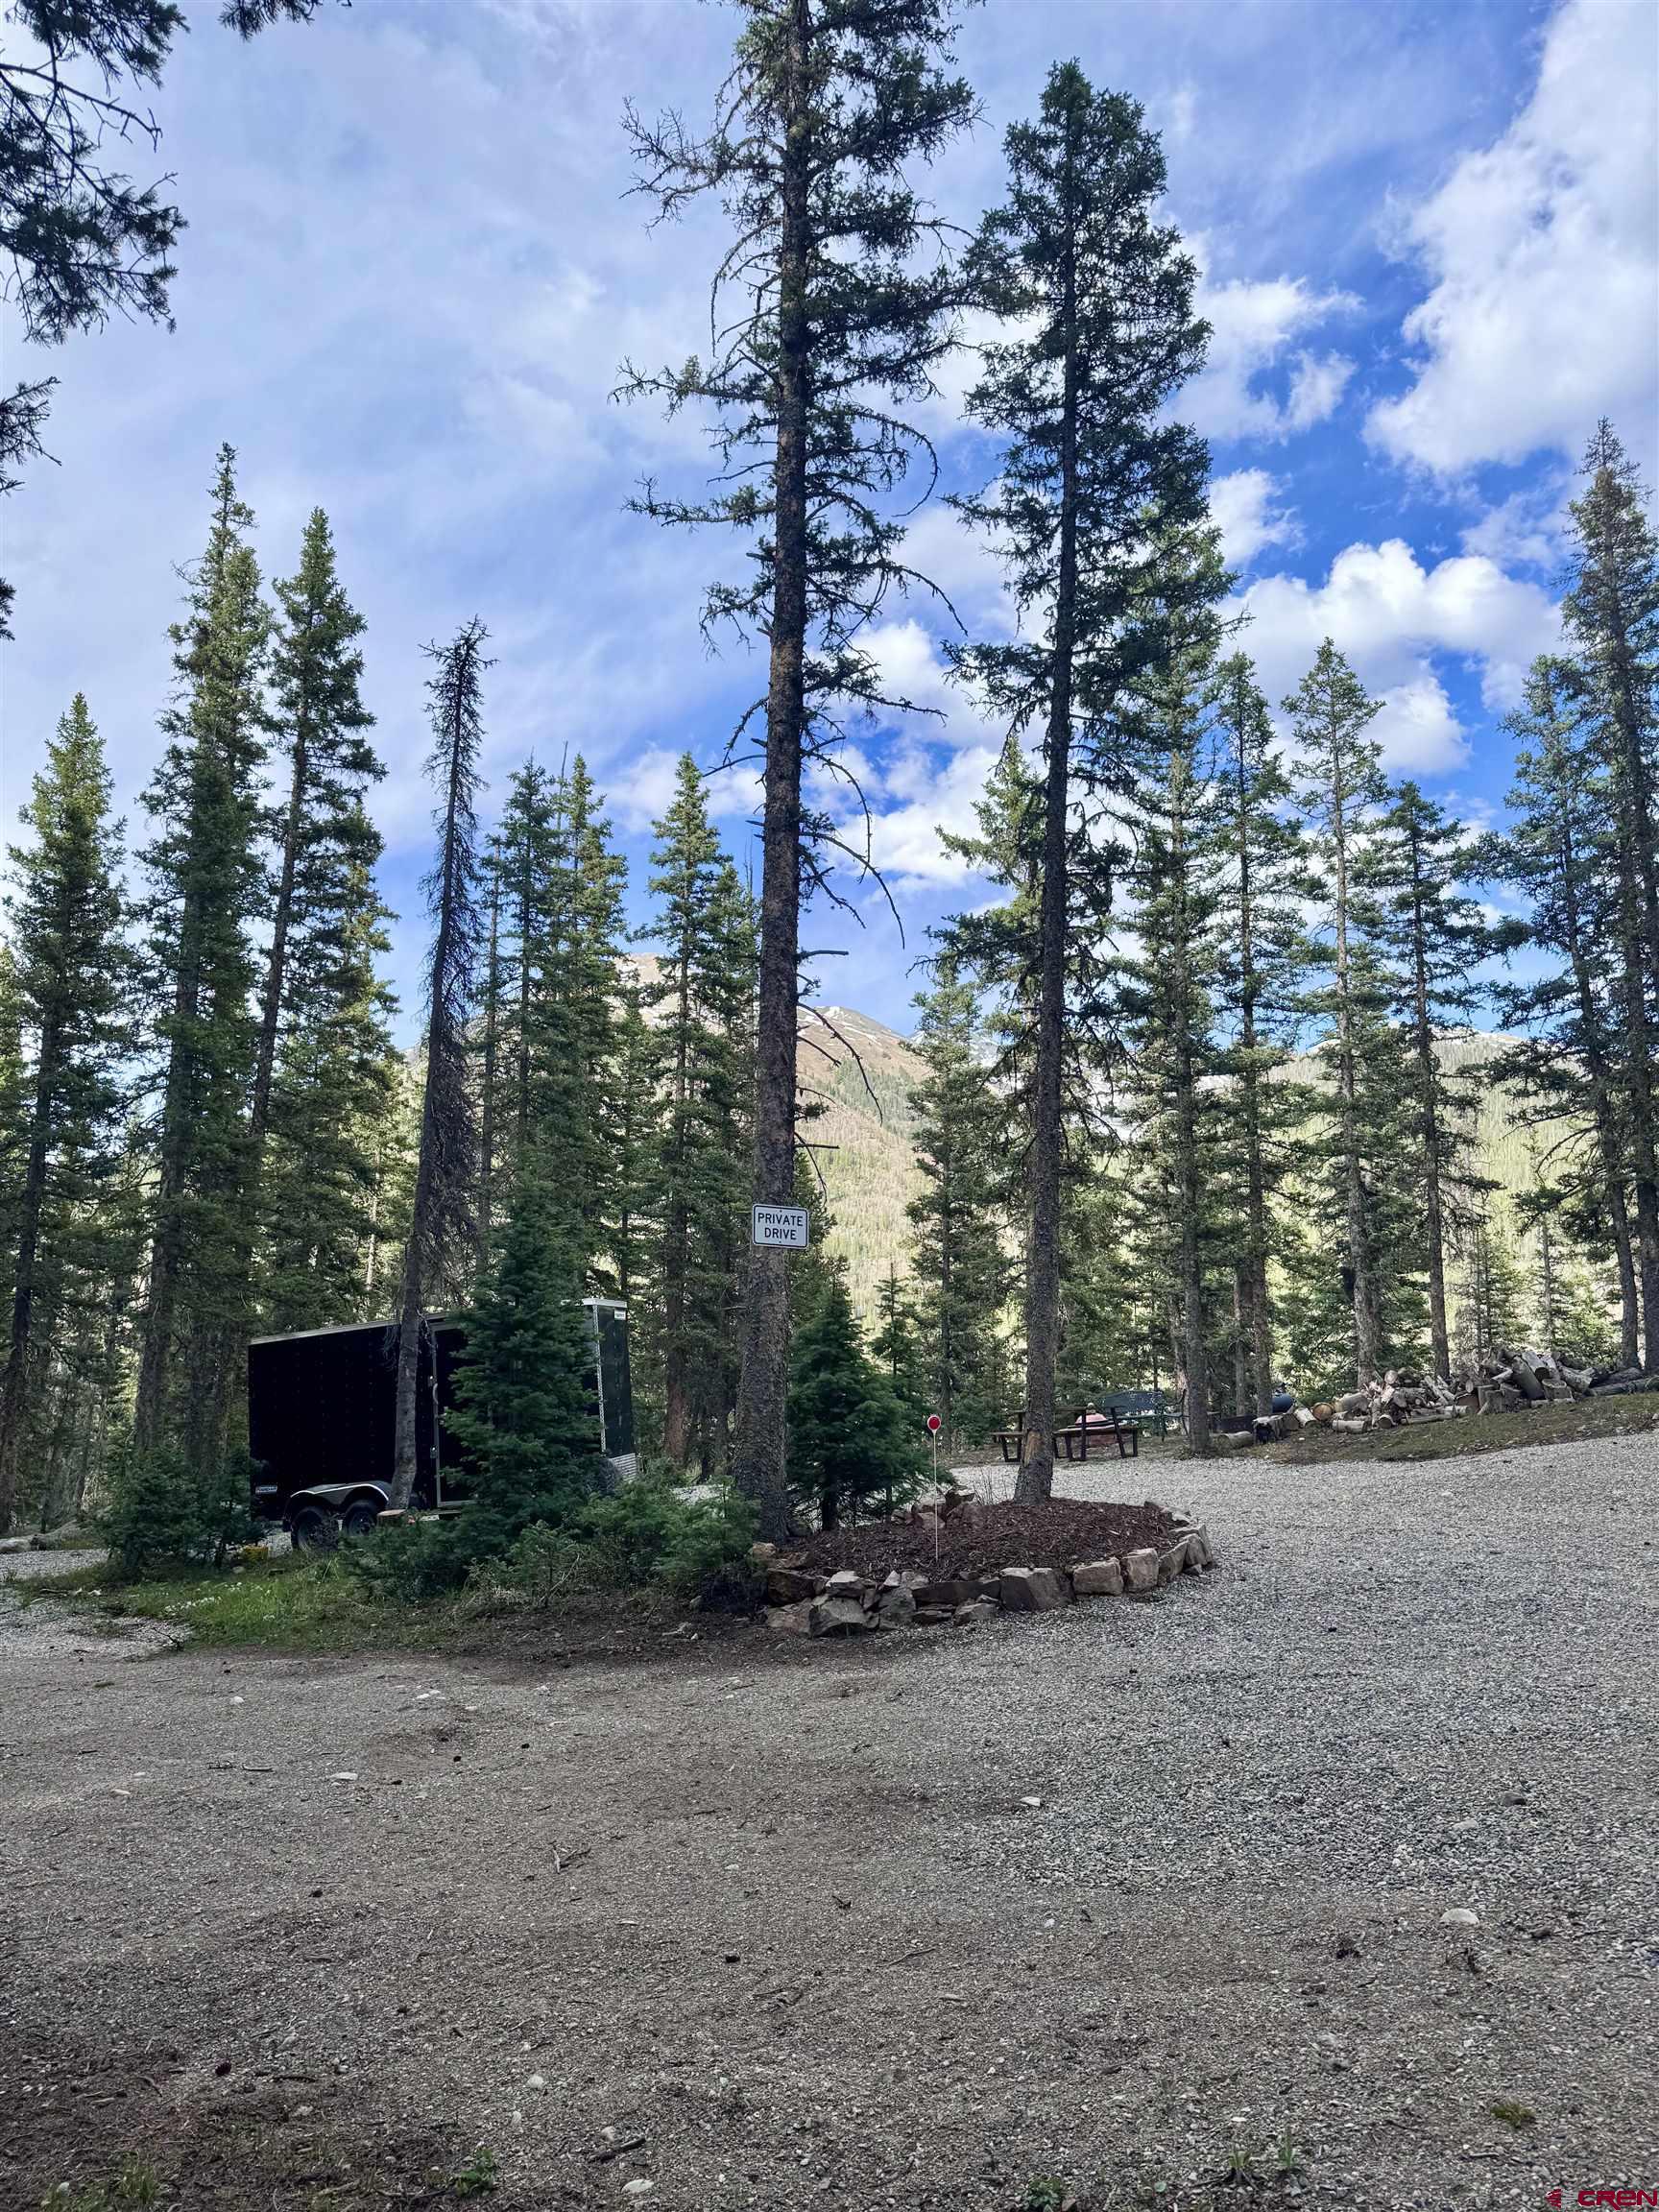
x=780 y=1228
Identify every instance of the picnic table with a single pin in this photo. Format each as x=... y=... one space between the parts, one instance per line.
x=1072 y=1441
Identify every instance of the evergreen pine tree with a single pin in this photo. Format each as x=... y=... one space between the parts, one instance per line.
x=1340 y=786
x=1098 y=299
x=896 y=1346
x=842 y=294
x=1566 y=1065
x=577 y=1106
x=1435 y=938
x=1177 y=832
x=443 y=1224
x=208 y=893
x=703 y=984
x=1611 y=616
x=962 y=1275
x=848 y=1439
x=321 y=830
x=1262 y=886
x=523 y=1411
x=73 y=978
x=335 y=1092
x=323 y=1069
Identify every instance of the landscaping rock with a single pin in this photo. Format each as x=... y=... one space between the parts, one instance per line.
x=791 y=1620
x=1140 y=1569
x=934 y=1616
x=976 y=1610
x=1170 y=1563
x=837 y=1615
x=1200 y=1552
x=847 y=1584
x=1098 y=1579
x=947 y=1593
x=1033 y=1589
x=895 y=1604
x=1460 y=1916
x=787 y=1586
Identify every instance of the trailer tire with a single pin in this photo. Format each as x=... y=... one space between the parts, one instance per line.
x=360 y=1518
x=315 y=1529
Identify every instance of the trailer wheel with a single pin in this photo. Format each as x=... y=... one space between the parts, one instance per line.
x=360 y=1518
x=315 y=1529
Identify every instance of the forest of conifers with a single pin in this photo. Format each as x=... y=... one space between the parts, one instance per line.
x=1186 y=1100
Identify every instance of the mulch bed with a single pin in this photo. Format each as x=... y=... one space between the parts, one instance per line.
x=1065 y=1533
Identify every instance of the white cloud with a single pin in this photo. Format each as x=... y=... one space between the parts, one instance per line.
x=1417 y=730
x=905 y=841
x=1528 y=530
x=1389 y=614
x=1245 y=507
x=1544 y=312
x=1253 y=330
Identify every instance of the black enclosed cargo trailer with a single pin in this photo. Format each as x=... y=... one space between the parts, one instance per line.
x=321 y=1418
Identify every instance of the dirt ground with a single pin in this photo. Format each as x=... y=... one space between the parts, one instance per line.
x=1123 y=1901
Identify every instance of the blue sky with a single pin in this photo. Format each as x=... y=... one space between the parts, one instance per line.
x=1429 y=254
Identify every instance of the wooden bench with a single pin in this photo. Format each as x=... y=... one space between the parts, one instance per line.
x=1072 y=1442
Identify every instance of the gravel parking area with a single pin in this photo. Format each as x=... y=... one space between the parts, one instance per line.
x=788 y=1923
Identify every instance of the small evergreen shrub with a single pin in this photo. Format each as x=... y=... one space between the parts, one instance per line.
x=161 y=1513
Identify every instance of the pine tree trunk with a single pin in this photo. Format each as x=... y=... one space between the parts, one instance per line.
x=760 y=1472
x=676 y=1241
x=1428 y=1125
x=1036 y=1479
x=14 y=1388
x=1546 y=1272
x=487 y=1103
x=1365 y=1333
x=1193 y=1343
x=1255 y=1172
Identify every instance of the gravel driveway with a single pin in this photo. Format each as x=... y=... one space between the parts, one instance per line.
x=783 y=1920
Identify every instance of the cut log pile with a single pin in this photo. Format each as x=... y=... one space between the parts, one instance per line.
x=1508 y=1378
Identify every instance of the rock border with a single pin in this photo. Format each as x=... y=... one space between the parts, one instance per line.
x=848 y=1603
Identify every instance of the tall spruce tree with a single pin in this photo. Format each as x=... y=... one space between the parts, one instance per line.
x=1099 y=299
x=577 y=1107
x=1263 y=884
x=1171 y=980
x=1566 y=1065
x=208 y=893
x=334 y=1092
x=1435 y=938
x=443 y=1228
x=830 y=312
x=703 y=981
x=962 y=1275
x=320 y=831
x=323 y=1069
x=67 y=916
x=1341 y=788
x=1611 y=616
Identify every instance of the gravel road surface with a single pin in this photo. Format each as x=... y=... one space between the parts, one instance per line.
x=1111 y=1896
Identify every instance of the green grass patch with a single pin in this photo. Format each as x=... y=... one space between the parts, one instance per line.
x=283 y=1604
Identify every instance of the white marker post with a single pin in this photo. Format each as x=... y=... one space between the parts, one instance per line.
x=934 y=1424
